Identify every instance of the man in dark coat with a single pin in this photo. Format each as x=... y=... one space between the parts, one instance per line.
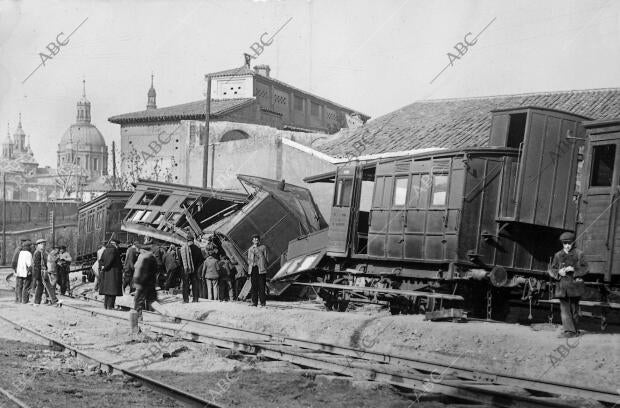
x=568 y=266
x=128 y=269
x=144 y=279
x=111 y=274
x=192 y=259
x=40 y=275
x=173 y=267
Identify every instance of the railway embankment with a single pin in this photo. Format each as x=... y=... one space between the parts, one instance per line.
x=509 y=349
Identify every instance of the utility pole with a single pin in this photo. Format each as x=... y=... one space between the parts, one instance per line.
x=113 y=165
x=205 y=142
x=4 y=218
x=212 y=163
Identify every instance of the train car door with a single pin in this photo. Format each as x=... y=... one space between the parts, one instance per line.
x=598 y=230
x=344 y=210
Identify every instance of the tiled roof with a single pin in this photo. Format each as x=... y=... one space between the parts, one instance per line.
x=455 y=123
x=192 y=110
x=240 y=71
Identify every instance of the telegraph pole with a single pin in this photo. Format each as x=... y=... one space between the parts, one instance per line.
x=4 y=218
x=205 y=142
x=113 y=165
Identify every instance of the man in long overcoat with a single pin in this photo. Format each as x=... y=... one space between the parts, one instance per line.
x=145 y=279
x=568 y=266
x=111 y=274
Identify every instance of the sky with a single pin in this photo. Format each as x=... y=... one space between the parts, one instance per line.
x=372 y=56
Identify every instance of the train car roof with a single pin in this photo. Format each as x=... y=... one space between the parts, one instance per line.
x=170 y=187
x=369 y=167
x=601 y=123
x=540 y=108
x=113 y=194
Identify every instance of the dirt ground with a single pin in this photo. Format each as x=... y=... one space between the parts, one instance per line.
x=243 y=381
x=592 y=360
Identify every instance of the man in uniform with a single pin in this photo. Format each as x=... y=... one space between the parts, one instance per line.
x=257 y=265
x=40 y=275
x=568 y=266
x=110 y=274
x=144 y=279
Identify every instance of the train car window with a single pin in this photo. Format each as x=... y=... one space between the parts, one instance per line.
x=344 y=189
x=516 y=130
x=414 y=191
x=440 y=189
x=400 y=192
x=146 y=215
x=160 y=199
x=603 y=165
x=159 y=218
x=146 y=198
x=378 y=196
x=137 y=215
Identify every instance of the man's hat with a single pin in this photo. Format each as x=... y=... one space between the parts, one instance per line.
x=256 y=236
x=116 y=241
x=63 y=247
x=41 y=241
x=567 y=237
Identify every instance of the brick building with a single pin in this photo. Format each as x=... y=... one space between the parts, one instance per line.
x=258 y=126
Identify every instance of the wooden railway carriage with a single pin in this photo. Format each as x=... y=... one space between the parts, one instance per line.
x=99 y=220
x=490 y=214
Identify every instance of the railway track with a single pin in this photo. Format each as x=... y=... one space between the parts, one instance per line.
x=13 y=400
x=405 y=372
x=184 y=397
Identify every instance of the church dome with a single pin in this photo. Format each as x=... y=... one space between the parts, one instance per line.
x=82 y=136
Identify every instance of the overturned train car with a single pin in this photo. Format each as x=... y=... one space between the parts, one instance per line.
x=275 y=210
x=472 y=222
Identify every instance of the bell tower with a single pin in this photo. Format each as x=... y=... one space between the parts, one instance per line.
x=152 y=96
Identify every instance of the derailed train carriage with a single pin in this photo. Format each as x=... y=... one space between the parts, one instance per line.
x=471 y=224
x=275 y=210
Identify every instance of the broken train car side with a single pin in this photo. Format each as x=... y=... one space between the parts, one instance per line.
x=278 y=212
x=474 y=221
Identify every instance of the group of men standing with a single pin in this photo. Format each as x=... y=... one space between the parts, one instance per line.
x=37 y=269
x=204 y=272
x=139 y=272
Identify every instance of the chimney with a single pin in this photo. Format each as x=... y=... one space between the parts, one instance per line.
x=263 y=70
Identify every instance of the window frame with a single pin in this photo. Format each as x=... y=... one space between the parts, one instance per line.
x=593 y=164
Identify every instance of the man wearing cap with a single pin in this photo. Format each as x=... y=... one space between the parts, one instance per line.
x=144 y=279
x=40 y=276
x=568 y=266
x=110 y=274
x=257 y=265
x=23 y=272
x=63 y=262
